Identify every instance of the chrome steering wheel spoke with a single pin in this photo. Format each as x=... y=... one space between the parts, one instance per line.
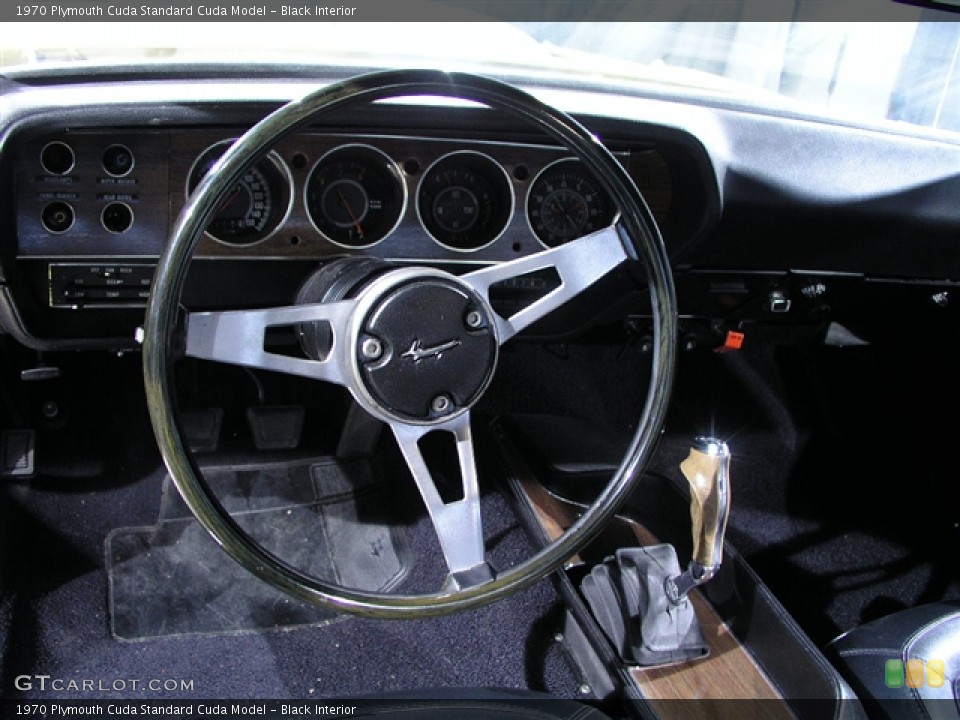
x=457 y=523
x=237 y=337
x=578 y=264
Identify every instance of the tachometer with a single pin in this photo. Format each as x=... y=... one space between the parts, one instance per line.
x=465 y=200
x=565 y=203
x=257 y=204
x=355 y=196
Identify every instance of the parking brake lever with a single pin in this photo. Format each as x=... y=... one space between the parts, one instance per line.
x=707 y=469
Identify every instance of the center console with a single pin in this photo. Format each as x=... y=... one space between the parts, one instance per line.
x=759 y=662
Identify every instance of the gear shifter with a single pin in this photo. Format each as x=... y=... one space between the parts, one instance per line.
x=639 y=595
x=707 y=469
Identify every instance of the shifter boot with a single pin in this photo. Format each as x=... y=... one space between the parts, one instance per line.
x=627 y=596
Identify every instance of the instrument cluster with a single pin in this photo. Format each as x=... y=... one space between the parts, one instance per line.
x=356 y=195
x=95 y=196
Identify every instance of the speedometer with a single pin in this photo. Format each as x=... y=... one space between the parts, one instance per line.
x=255 y=207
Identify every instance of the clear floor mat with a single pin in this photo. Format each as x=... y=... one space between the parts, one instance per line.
x=326 y=519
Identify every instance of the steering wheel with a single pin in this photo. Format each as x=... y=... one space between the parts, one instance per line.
x=408 y=322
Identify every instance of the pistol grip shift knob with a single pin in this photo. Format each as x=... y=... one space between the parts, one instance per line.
x=707 y=470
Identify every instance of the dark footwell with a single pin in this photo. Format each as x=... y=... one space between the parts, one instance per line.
x=55 y=620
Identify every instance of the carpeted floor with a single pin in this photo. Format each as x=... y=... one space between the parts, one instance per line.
x=100 y=472
x=55 y=620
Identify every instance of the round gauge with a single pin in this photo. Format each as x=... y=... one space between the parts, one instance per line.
x=257 y=204
x=355 y=196
x=565 y=203
x=465 y=200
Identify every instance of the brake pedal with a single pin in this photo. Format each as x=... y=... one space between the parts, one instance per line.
x=275 y=427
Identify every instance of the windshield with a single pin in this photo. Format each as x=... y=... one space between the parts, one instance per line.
x=897 y=70
x=902 y=71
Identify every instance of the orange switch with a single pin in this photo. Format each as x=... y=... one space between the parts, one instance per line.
x=733 y=341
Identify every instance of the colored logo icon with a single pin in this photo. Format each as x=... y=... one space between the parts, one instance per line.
x=914 y=673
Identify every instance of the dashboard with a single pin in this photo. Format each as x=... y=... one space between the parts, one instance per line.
x=108 y=193
x=95 y=206
x=767 y=219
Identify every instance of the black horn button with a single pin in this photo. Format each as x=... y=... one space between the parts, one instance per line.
x=427 y=350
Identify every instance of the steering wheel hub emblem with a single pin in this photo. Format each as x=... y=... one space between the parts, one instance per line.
x=438 y=346
x=418 y=353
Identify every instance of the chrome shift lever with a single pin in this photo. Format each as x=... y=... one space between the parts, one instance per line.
x=707 y=469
